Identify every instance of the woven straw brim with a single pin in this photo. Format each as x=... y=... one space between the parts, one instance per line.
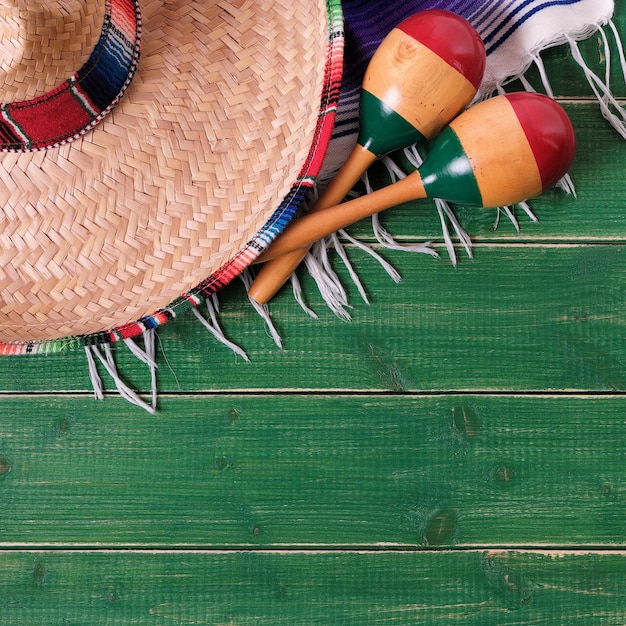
x=209 y=139
x=41 y=48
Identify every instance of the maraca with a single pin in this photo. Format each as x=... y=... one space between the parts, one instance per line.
x=501 y=151
x=423 y=74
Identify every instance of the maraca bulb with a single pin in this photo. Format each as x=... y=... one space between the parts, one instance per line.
x=423 y=74
x=501 y=151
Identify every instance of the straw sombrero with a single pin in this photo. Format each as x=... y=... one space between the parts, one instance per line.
x=132 y=185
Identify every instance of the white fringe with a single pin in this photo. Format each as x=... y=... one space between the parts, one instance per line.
x=609 y=106
x=328 y=282
x=104 y=355
x=543 y=74
x=96 y=381
x=147 y=356
x=342 y=254
x=213 y=326
x=383 y=235
x=262 y=310
x=299 y=296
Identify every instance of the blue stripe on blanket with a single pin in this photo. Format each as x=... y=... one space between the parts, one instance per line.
x=367 y=22
x=515 y=19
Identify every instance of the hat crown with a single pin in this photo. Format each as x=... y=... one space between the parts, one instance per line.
x=42 y=42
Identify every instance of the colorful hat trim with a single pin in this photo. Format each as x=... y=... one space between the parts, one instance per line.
x=74 y=107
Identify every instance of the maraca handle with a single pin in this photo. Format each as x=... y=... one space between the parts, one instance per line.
x=308 y=229
x=276 y=272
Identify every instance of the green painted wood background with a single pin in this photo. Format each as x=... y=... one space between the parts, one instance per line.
x=456 y=453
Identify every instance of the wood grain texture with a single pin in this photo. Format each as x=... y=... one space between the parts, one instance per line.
x=315 y=470
x=517 y=318
x=228 y=589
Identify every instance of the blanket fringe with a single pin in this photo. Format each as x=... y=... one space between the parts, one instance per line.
x=262 y=309
x=328 y=282
x=610 y=108
x=104 y=355
x=211 y=323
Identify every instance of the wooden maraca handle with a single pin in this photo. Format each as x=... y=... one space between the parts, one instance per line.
x=424 y=73
x=299 y=235
x=499 y=152
x=276 y=272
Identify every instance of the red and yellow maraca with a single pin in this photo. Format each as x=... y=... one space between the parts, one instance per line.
x=422 y=75
x=501 y=151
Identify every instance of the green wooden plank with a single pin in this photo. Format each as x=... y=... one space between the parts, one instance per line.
x=482 y=589
x=317 y=471
x=513 y=318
